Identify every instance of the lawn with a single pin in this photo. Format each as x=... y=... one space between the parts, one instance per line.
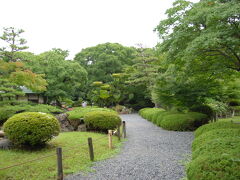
x=75 y=156
x=233 y=119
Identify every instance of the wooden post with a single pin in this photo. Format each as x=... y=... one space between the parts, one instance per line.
x=110 y=139
x=90 y=146
x=119 y=133
x=124 y=130
x=59 y=164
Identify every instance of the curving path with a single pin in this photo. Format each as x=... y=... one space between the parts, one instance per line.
x=150 y=153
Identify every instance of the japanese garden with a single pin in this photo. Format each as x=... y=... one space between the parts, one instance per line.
x=63 y=118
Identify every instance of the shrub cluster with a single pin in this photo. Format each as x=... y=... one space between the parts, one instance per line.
x=31 y=128
x=215 y=152
x=102 y=120
x=8 y=111
x=174 y=120
x=77 y=114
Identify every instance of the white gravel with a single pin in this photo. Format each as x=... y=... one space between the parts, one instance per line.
x=150 y=153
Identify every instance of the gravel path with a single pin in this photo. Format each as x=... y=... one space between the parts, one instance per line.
x=150 y=153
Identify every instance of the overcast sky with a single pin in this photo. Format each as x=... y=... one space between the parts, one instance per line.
x=76 y=24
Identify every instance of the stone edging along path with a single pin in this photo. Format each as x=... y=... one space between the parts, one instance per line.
x=150 y=153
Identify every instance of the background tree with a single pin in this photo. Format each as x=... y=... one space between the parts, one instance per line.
x=15 y=43
x=105 y=59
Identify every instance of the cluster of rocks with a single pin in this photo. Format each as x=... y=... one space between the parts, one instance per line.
x=4 y=142
x=67 y=126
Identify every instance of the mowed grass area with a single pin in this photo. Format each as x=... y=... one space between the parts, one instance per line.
x=234 y=119
x=75 y=157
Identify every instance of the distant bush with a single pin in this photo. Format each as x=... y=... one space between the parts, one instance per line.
x=225 y=145
x=148 y=113
x=205 y=109
x=76 y=114
x=8 y=111
x=31 y=128
x=210 y=167
x=183 y=122
x=216 y=125
x=214 y=134
x=102 y=120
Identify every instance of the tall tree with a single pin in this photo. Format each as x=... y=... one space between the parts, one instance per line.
x=14 y=42
x=105 y=59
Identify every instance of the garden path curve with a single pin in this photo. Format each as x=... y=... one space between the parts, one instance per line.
x=150 y=153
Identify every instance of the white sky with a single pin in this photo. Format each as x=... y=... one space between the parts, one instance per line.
x=76 y=24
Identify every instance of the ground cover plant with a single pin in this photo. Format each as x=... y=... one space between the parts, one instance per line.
x=75 y=156
x=216 y=151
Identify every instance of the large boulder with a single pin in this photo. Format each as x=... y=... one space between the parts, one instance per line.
x=64 y=123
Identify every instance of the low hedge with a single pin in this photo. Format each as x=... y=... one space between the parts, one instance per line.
x=215 y=125
x=226 y=145
x=212 y=166
x=102 y=120
x=183 y=122
x=214 y=134
x=174 y=120
x=31 y=128
x=8 y=111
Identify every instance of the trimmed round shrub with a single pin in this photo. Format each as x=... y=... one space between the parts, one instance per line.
x=76 y=114
x=149 y=113
x=214 y=134
x=211 y=167
x=31 y=128
x=102 y=121
x=205 y=109
x=183 y=122
x=216 y=125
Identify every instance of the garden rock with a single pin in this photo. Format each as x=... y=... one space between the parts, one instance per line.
x=1 y=134
x=5 y=144
x=64 y=123
x=82 y=128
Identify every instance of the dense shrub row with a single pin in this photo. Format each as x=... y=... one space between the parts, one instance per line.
x=216 y=152
x=174 y=120
x=8 y=111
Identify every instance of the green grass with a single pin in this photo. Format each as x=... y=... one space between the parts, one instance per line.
x=75 y=156
x=234 y=119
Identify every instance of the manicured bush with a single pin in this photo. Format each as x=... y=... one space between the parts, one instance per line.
x=8 y=111
x=215 y=125
x=205 y=109
x=214 y=134
x=31 y=128
x=229 y=145
x=102 y=120
x=149 y=113
x=211 y=167
x=183 y=122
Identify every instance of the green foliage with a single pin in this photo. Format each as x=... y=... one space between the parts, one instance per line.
x=102 y=121
x=205 y=109
x=64 y=77
x=226 y=145
x=208 y=167
x=8 y=111
x=172 y=120
x=184 y=122
x=31 y=128
x=103 y=60
x=214 y=134
x=213 y=126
